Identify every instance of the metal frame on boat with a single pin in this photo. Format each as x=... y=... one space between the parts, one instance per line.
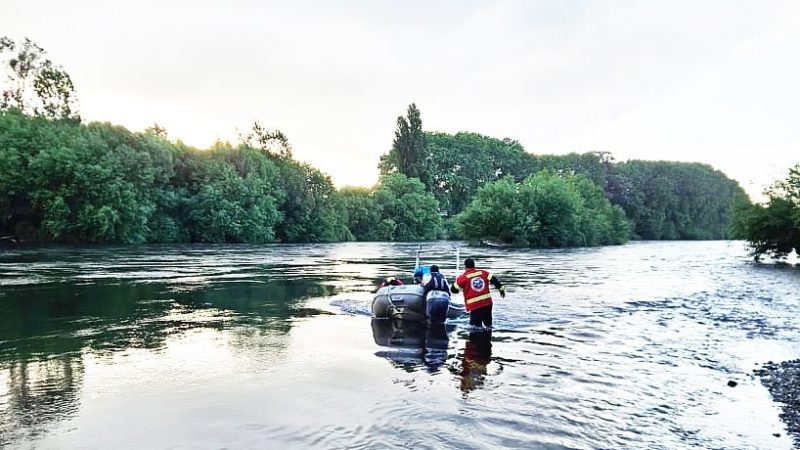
x=406 y=302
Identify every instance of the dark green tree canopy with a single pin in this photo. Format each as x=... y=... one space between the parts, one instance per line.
x=407 y=153
x=545 y=210
x=397 y=209
x=673 y=200
x=771 y=229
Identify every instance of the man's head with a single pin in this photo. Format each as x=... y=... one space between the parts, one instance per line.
x=434 y=268
x=469 y=263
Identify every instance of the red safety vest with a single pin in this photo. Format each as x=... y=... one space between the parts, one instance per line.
x=475 y=284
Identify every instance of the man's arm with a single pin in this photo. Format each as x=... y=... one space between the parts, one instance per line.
x=455 y=288
x=498 y=285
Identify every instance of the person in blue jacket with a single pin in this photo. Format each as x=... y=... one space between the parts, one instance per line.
x=436 y=308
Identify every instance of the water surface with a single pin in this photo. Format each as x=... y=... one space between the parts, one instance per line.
x=273 y=346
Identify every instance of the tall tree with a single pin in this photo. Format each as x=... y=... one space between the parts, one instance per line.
x=33 y=83
x=408 y=149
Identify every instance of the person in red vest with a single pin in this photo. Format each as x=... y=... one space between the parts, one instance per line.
x=475 y=284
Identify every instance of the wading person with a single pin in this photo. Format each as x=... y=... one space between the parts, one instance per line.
x=477 y=298
x=436 y=308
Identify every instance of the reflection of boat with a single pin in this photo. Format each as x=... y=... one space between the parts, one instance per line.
x=412 y=343
x=406 y=302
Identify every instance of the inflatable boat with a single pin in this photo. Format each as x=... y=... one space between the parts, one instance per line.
x=406 y=302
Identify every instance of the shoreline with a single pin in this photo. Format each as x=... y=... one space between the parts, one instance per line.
x=782 y=380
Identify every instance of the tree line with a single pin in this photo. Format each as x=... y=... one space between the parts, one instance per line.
x=541 y=199
x=65 y=181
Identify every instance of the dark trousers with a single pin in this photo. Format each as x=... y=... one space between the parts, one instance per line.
x=481 y=316
x=437 y=309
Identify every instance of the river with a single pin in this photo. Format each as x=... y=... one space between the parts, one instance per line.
x=629 y=346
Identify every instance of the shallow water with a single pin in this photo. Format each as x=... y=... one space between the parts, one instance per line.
x=273 y=346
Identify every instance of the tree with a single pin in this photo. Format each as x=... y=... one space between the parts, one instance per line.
x=408 y=149
x=33 y=83
x=673 y=200
x=545 y=210
x=414 y=211
x=456 y=166
x=773 y=228
x=310 y=206
x=272 y=142
x=231 y=195
x=364 y=215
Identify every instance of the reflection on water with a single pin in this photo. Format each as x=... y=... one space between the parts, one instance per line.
x=268 y=346
x=46 y=327
x=37 y=393
x=412 y=344
x=477 y=355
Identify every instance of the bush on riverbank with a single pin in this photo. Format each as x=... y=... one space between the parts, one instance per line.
x=545 y=210
x=772 y=228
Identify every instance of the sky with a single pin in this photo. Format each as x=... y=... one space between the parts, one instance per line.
x=716 y=82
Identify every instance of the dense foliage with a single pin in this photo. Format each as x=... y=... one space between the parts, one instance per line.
x=545 y=210
x=661 y=199
x=62 y=181
x=457 y=165
x=773 y=228
x=397 y=209
x=673 y=200
x=406 y=155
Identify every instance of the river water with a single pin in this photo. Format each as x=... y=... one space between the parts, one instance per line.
x=273 y=347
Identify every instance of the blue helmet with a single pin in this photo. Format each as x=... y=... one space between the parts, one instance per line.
x=420 y=271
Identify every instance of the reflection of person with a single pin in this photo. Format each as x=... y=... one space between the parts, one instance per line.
x=436 y=342
x=477 y=298
x=436 y=306
x=412 y=344
x=477 y=355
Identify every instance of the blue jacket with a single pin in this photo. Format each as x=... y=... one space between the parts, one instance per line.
x=437 y=283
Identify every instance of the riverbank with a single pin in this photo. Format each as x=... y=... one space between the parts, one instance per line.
x=783 y=382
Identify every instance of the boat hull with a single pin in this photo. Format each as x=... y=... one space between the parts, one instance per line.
x=407 y=303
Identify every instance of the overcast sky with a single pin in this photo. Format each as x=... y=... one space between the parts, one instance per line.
x=710 y=81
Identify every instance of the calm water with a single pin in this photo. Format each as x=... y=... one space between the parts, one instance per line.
x=254 y=347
